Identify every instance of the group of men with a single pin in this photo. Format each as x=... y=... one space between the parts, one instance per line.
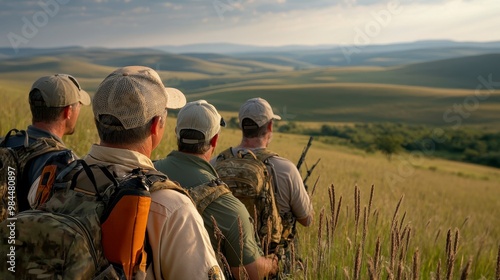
x=130 y=110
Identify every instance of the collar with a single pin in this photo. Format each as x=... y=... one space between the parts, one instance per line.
x=126 y=159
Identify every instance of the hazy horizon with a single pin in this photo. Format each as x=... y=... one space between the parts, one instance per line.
x=132 y=23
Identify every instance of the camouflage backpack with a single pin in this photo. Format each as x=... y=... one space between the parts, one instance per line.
x=93 y=226
x=249 y=179
x=202 y=196
x=13 y=161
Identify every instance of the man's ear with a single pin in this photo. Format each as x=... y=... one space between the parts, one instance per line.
x=270 y=126
x=67 y=112
x=213 y=141
x=156 y=125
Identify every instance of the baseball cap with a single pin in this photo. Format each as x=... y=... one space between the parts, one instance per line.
x=60 y=90
x=134 y=95
x=258 y=110
x=200 y=116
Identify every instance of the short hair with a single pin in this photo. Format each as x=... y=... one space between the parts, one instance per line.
x=198 y=148
x=111 y=131
x=254 y=131
x=39 y=110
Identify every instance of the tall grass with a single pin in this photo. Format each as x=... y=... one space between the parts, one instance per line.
x=396 y=230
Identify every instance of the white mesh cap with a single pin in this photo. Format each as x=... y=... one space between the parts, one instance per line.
x=258 y=110
x=201 y=116
x=134 y=95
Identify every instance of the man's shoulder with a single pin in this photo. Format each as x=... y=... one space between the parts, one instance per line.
x=281 y=161
x=167 y=201
x=227 y=204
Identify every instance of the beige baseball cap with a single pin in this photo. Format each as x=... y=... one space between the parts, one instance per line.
x=201 y=116
x=258 y=110
x=134 y=95
x=60 y=90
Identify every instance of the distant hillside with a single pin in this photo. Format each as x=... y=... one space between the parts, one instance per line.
x=462 y=72
x=295 y=82
x=294 y=56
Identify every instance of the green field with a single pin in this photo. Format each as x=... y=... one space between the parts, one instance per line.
x=438 y=195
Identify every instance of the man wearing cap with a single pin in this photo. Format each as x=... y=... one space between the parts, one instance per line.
x=130 y=115
x=55 y=103
x=197 y=131
x=256 y=122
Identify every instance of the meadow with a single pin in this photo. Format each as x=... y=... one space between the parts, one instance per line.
x=398 y=230
x=411 y=217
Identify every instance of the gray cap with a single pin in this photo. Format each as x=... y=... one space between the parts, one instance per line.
x=200 y=116
x=60 y=90
x=134 y=95
x=258 y=110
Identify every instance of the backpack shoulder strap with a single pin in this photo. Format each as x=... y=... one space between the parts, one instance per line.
x=159 y=181
x=9 y=134
x=205 y=194
x=264 y=154
x=227 y=153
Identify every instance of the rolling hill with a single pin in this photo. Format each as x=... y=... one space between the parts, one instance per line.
x=419 y=93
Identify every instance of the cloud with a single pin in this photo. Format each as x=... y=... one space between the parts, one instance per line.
x=258 y=22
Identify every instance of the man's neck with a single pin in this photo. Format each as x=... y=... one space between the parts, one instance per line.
x=56 y=129
x=144 y=147
x=253 y=143
x=206 y=156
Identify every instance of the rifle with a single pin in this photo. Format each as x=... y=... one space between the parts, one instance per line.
x=304 y=153
x=302 y=161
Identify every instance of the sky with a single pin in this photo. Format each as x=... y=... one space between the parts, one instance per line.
x=147 y=23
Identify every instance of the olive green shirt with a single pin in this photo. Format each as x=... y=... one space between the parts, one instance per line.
x=191 y=171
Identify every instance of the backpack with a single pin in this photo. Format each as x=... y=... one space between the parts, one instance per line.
x=93 y=226
x=249 y=179
x=202 y=196
x=13 y=163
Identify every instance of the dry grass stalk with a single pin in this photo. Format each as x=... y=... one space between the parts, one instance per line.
x=393 y=223
x=448 y=244
x=357 y=209
x=319 y=249
x=371 y=199
x=371 y=270
x=437 y=236
x=331 y=195
x=465 y=222
x=416 y=265
x=219 y=236
x=451 y=254
x=408 y=237
x=498 y=264
x=337 y=215
x=314 y=186
x=393 y=250
x=346 y=273
x=402 y=221
x=357 y=264
x=365 y=227
x=399 y=273
x=455 y=244
x=376 y=264
x=390 y=275
x=328 y=223
x=438 y=271
x=466 y=270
